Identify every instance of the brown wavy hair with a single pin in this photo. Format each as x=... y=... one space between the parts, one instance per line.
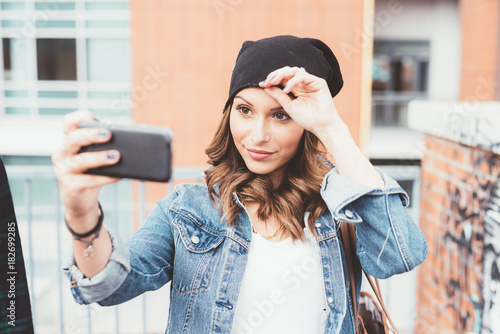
x=298 y=192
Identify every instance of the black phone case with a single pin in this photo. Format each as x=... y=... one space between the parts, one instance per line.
x=145 y=152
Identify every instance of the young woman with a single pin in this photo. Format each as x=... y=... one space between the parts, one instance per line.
x=256 y=249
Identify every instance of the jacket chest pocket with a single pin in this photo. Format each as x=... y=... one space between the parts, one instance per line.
x=196 y=254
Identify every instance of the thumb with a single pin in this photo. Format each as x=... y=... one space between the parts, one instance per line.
x=280 y=96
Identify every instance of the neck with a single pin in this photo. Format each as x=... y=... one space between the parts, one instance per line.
x=277 y=178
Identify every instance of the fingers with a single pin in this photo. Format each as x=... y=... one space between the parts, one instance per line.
x=292 y=78
x=77 y=188
x=302 y=78
x=279 y=95
x=68 y=160
x=278 y=76
x=71 y=120
x=75 y=164
x=69 y=170
x=282 y=75
x=86 y=136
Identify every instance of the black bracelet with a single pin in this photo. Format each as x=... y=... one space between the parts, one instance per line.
x=95 y=230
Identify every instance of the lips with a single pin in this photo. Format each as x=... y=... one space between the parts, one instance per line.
x=259 y=154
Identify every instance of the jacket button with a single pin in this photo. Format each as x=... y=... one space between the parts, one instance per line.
x=195 y=239
x=349 y=213
x=317 y=224
x=330 y=300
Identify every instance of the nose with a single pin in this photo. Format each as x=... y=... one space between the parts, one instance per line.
x=261 y=131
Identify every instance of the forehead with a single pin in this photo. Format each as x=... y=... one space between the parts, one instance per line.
x=257 y=97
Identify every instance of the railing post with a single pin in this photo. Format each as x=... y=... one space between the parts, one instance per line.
x=115 y=225
x=59 y=220
x=29 y=219
x=142 y=213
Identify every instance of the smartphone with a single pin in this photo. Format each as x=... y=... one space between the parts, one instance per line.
x=145 y=151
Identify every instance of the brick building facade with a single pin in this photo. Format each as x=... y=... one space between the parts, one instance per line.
x=458 y=286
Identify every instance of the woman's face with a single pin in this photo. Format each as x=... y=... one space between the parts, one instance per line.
x=265 y=136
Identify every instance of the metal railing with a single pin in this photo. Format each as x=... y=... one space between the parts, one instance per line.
x=391 y=108
x=43 y=235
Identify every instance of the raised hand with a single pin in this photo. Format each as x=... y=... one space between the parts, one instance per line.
x=79 y=192
x=313 y=108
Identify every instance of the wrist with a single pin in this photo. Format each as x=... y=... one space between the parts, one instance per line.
x=334 y=132
x=89 y=236
x=81 y=223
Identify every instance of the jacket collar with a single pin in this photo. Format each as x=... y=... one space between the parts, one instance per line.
x=194 y=203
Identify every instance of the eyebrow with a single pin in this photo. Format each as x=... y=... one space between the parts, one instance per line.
x=272 y=109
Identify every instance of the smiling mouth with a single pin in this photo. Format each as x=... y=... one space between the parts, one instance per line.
x=259 y=154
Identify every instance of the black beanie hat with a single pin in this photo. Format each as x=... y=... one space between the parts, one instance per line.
x=257 y=59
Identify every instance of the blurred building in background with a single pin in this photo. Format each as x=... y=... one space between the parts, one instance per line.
x=416 y=56
x=59 y=56
x=459 y=283
x=169 y=63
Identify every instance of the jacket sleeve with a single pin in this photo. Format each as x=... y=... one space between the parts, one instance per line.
x=388 y=242
x=142 y=264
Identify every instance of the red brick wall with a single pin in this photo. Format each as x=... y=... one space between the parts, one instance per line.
x=194 y=44
x=458 y=286
x=459 y=184
x=480 y=50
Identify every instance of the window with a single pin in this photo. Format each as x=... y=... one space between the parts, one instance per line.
x=108 y=60
x=8 y=5
x=56 y=59
x=400 y=74
x=15 y=59
x=61 y=56
x=53 y=5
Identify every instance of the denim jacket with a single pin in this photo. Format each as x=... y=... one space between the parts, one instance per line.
x=184 y=241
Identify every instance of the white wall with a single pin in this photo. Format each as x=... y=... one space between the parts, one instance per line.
x=438 y=22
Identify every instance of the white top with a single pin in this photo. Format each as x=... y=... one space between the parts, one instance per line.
x=282 y=289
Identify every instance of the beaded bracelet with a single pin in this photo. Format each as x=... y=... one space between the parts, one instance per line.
x=89 y=250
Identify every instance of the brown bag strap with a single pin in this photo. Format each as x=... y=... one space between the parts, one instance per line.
x=376 y=289
x=349 y=243
x=346 y=242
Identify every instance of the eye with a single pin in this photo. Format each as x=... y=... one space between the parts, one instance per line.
x=282 y=116
x=243 y=110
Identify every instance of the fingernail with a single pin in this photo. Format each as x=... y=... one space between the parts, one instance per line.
x=111 y=155
x=285 y=88
x=103 y=133
x=272 y=78
x=95 y=119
